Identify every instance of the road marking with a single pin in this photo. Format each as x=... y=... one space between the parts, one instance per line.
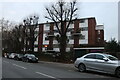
x=46 y=75
x=6 y=61
x=19 y=66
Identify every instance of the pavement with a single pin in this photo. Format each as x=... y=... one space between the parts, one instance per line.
x=0 y=67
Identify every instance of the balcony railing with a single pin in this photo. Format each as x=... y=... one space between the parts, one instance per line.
x=76 y=34
x=50 y=35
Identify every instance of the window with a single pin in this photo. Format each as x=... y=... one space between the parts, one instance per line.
x=47 y=25
x=36 y=32
x=84 y=29
x=98 y=39
x=28 y=42
x=91 y=56
x=46 y=38
x=35 y=45
x=26 y=55
x=82 y=21
x=28 y=30
x=98 y=31
x=71 y=37
x=31 y=55
x=55 y=31
x=82 y=37
x=70 y=29
x=111 y=57
x=46 y=31
x=99 y=57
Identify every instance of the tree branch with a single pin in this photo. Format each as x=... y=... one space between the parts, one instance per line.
x=52 y=18
x=71 y=15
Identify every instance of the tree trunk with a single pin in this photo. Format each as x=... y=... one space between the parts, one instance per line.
x=32 y=40
x=63 y=44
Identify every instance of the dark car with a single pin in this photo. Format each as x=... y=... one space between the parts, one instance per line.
x=29 y=58
x=18 y=57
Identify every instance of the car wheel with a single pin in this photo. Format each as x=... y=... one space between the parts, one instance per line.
x=23 y=60
x=27 y=60
x=82 y=68
x=118 y=72
x=16 y=58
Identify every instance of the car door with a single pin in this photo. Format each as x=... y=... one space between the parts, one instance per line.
x=100 y=62
x=89 y=61
x=102 y=65
x=24 y=57
x=105 y=66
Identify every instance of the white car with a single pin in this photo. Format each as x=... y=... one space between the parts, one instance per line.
x=12 y=55
x=99 y=62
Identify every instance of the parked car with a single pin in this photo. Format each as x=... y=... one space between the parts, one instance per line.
x=8 y=54
x=99 y=62
x=11 y=55
x=18 y=56
x=29 y=58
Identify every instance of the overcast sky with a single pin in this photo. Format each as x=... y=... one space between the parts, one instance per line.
x=105 y=13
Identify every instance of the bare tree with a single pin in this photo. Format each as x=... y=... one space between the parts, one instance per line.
x=30 y=24
x=6 y=29
x=6 y=24
x=63 y=13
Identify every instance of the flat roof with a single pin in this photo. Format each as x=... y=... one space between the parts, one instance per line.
x=72 y=20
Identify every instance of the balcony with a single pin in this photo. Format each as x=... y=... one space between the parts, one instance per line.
x=50 y=34
x=76 y=34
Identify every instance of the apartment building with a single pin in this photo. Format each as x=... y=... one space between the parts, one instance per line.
x=82 y=33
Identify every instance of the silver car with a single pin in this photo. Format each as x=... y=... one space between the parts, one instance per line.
x=99 y=62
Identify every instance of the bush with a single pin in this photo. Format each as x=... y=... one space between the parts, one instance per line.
x=118 y=55
x=112 y=47
x=69 y=57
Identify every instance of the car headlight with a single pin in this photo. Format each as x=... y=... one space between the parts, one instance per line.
x=30 y=58
x=36 y=58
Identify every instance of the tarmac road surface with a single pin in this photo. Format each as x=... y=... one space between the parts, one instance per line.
x=15 y=70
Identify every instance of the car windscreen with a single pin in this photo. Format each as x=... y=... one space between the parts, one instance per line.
x=21 y=55
x=12 y=54
x=111 y=57
x=90 y=56
x=31 y=56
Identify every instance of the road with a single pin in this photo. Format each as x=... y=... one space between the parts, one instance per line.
x=45 y=70
x=0 y=67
